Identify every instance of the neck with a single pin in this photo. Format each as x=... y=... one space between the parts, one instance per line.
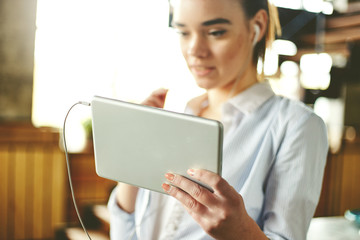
x=243 y=82
x=218 y=96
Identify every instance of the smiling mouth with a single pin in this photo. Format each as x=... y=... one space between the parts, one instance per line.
x=202 y=71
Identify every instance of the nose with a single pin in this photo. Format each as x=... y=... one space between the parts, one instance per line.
x=198 y=47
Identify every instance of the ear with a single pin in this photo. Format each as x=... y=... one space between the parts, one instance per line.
x=260 y=24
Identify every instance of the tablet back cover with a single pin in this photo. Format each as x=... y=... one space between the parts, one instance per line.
x=137 y=144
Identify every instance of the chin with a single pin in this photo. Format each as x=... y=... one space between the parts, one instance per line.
x=205 y=83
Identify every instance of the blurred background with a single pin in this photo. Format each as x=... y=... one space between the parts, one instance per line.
x=54 y=53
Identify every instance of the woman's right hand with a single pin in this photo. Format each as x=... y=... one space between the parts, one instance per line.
x=156 y=99
x=126 y=194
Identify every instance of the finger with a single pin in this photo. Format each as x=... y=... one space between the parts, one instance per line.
x=185 y=199
x=154 y=102
x=160 y=92
x=212 y=179
x=156 y=99
x=199 y=193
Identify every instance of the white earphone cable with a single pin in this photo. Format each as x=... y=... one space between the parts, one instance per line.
x=68 y=167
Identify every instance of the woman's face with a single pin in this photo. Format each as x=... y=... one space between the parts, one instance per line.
x=215 y=40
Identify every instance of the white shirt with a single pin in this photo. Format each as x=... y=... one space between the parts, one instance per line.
x=274 y=155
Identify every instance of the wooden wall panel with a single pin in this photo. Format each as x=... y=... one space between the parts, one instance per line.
x=38 y=199
x=4 y=186
x=32 y=183
x=29 y=191
x=350 y=188
x=59 y=190
x=11 y=194
x=88 y=186
x=20 y=197
x=47 y=198
x=341 y=181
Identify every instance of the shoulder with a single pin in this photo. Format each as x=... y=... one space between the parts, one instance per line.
x=294 y=116
x=293 y=110
x=292 y=107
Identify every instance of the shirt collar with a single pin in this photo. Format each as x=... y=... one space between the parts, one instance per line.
x=252 y=98
x=246 y=102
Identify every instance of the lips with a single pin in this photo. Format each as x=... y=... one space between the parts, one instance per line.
x=201 y=71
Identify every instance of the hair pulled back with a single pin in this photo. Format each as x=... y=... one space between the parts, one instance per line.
x=251 y=7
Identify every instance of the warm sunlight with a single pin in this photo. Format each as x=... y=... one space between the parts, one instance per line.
x=119 y=49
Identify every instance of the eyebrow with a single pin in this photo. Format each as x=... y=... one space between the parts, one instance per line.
x=206 y=23
x=216 y=21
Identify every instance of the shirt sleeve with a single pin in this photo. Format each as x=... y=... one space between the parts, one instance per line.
x=295 y=180
x=122 y=224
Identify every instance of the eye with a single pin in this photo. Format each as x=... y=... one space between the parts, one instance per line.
x=181 y=33
x=217 y=33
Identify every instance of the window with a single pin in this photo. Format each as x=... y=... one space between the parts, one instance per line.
x=113 y=48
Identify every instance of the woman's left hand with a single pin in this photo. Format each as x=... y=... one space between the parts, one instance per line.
x=222 y=213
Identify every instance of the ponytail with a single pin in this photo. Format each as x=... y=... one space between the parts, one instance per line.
x=274 y=27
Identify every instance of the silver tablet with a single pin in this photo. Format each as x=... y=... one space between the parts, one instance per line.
x=137 y=144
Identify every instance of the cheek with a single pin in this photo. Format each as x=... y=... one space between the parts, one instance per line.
x=234 y=54
x=239 y=48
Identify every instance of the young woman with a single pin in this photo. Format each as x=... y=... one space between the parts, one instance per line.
x=274 y=148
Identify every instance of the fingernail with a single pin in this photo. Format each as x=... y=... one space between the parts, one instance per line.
x=169 y=176
x=191 y=172
x=166 y=187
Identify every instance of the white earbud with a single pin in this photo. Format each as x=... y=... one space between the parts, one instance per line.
x=256 y=36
